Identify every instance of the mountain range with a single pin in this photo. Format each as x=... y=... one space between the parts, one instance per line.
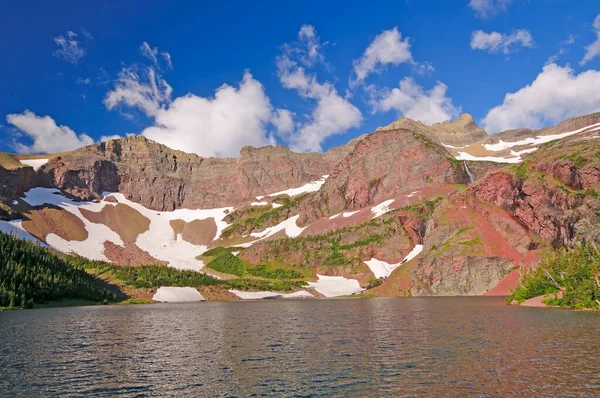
x=409 y=209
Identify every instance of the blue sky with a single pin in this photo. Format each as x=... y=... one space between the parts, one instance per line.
x=75 y=72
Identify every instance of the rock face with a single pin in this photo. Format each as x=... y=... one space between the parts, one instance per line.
x=381 y=166
x=461 y=131
x=164 y=179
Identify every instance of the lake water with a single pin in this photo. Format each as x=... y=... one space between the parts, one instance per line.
x=364 y=347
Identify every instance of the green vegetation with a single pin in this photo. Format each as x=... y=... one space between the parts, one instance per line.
x=30 y=274
x=577 y=159
x=227 y=263
x=217 y=251
x=255 y=217
x=574 y=271
x=264 y=272
x=520 y=170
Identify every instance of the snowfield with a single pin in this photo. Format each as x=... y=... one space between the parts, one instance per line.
x=335 y=286
x=264 y=295
x=467 y=156
x=289 y=226
x=92 y=247
x=157 y=241
x=35 y=163
x=382 y=269
x=310 y=187
x=168 y=294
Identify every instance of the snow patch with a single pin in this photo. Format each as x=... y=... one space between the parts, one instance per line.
x=381 y=208
x=259 y=197
x=412 y=194
x=349 y=213
x=259 y=203
x=91 y=248
x=334 y=216
x=276 y=205
x=382 y=269
x=168 y=294
x=15 y=228
x=35 y=163
x=467 y=156
x=270 y=295
x=310 y=187
x=14 y=202
x=541 y=139
x=289 y=226
x=523 y=152
x=334 y=286
x=162 y=245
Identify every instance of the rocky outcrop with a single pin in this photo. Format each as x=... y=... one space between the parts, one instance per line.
x=459 y=132
x=381 y=166
x=164 y=179
x=549 y=212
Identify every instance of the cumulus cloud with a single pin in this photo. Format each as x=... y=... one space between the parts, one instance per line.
x=412 y=101
x=495 y=42
x=218 y=126
x=140 y=87
x=387 y=48
x=487 y=8
x=331 y=114
x=557 y=93
x=46 y=135
x=69 y=47
x=593 y=50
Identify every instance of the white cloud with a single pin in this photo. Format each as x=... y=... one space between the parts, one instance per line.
x=283 y=120
x=593 y=50
x=46 y=135
x=308 y=36
x=387 y=48
x=562 y=49
x=141 y=87
x=69 y=48
x=149 y=52
x=332 y=113
x=495 y=42
x=167 y=58
x=410 y=100
x=487 y=8
x=221 y=125
x=557 y=93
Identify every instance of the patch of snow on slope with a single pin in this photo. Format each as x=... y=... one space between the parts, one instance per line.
x=381 y=269
x=289 y=226
x=467 y=156
x=159 y=242
x=334 y=216
x=91 y=248
x=349 y=213
x=168 y=294
x=412 y=194
x=259 y=203
x=381 y=208
x=542 y=139
x=264 y=295
x=276 y=205
x=259 y=197
x=310 y=187
x=14 y=202
x=15 y=228
x=335 y=286
x=35 y=163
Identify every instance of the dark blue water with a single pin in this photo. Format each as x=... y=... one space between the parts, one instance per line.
x=362 y=347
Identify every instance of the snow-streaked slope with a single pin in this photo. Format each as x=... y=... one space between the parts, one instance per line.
x=335 y=286
x=381 y=208
x=382 y=269
x=35 y=163
x=169 y=294
x=259 y=203
x=263 y=295
x=92 y=247
x=160 y=243
x=289 y=226
x=310 y=187
x=495 y=159
x=538 y=140
x=15 y=228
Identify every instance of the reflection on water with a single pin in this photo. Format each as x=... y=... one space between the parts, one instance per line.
x=366 y=347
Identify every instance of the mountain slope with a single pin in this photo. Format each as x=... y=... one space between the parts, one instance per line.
x=396 y=212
